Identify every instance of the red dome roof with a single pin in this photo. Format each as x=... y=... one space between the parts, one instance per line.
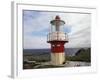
x=57 y=17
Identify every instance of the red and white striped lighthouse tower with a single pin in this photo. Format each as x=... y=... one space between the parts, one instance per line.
x=57 y=38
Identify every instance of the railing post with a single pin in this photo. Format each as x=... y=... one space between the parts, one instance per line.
x=65 y=37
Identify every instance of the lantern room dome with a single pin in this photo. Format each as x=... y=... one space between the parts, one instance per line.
x=57 y=18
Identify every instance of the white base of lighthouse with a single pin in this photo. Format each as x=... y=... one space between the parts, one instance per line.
x=57 y=58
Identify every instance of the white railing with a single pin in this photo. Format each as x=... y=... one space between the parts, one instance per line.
x=60 y=36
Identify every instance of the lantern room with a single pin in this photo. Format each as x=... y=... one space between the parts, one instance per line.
x=57 y=24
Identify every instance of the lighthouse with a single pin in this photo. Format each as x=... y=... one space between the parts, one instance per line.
x=57 y=38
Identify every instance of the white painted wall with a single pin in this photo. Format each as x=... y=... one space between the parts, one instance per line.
x=57 y=58
x=5 y=38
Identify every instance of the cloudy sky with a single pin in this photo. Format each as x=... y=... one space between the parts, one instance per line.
x=36 y=26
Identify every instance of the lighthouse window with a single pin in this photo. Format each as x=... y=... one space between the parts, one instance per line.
x=58 y=45
x=53 y=45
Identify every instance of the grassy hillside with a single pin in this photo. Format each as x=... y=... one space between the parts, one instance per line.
x=81 y=55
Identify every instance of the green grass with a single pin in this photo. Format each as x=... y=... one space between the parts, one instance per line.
x=82 y=55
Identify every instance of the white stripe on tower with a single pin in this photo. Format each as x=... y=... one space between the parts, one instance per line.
x=57 y=58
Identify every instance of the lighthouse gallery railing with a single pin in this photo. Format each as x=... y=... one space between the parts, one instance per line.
x=60 y=36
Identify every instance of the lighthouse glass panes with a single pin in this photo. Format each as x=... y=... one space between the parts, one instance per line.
x=57 y=32
x=60 y=29
x=57 y=24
